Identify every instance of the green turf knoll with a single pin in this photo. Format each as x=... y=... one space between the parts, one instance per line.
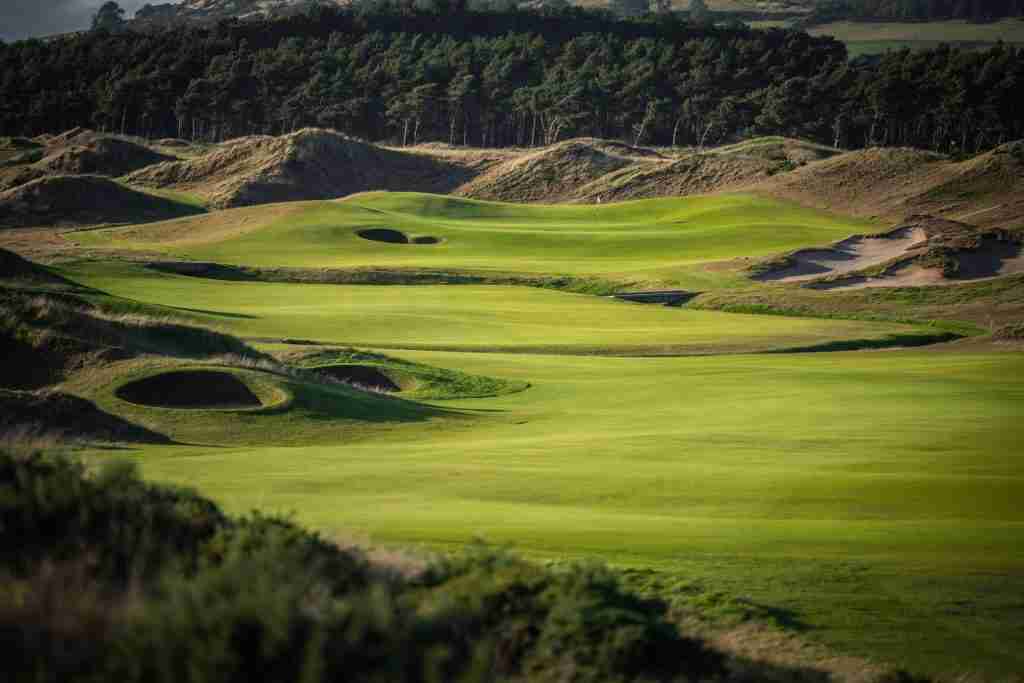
x=478 y=318
x=295 y=410
x=629 y=237
x=416 y=380
x=874 y=495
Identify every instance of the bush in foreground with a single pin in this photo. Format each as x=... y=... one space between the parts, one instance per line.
x=106 y=577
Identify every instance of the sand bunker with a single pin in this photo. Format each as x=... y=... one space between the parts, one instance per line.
x=190 y=389
x=992 y=257
x=907 y=275
x=364 y=376
x=852 y=254
x=395 y=237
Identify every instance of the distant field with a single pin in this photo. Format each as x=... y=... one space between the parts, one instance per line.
x=631 y=237
x=875 y=38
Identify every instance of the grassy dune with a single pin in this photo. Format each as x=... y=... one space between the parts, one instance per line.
x=588 y=239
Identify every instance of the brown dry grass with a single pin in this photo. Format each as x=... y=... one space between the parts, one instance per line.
x=552 y=174
x=309 y=164
x=894 y=183
x=80 y=151
x=81 y=200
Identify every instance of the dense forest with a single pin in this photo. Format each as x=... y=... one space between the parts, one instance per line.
x=507 y=78
x=918 y=10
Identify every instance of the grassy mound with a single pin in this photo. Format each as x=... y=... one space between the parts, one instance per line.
x=82 y=200
x=415 y=380
x=309 y=164
x=15 y=269
x=79 y=152
x=986 y=191
x=66 y=417
x=190 y=389
x=43 y=318
x=93 y=154
x=695 y=174
x=552 y=174
x=362 y=376
x=590 y=170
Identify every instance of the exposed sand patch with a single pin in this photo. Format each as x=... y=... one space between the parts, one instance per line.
x=909 y=275
x=991 y=258
x=849 y=255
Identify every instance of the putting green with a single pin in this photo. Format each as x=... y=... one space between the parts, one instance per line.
x=630 y=237
x=874 y=495
x=463 y=317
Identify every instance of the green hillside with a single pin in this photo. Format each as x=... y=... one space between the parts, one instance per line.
x=616 y=238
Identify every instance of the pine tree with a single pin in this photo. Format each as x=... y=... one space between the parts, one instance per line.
x=110 y=16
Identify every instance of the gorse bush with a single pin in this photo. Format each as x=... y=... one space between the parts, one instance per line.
x=105 y=577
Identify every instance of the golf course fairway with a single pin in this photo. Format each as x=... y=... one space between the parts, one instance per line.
x=836 y=487
x=868 y=499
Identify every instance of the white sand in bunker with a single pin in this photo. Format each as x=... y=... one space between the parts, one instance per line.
x=992 y=258
x=852 y=254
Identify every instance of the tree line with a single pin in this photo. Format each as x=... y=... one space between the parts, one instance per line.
x=507 y=78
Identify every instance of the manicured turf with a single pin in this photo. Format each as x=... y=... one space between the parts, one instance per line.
x=876 y=495
x=631 y=237
x=870 y=497
x=482 y=318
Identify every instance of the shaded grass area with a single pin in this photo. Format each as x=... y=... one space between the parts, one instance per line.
x=837 y=487
x=967 y=308
x=292 y=410
x=391 y=276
